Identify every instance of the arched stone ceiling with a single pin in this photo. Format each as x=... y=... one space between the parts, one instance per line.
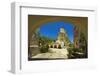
x=35 y=21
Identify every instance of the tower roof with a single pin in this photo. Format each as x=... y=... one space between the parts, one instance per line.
x=62 y=30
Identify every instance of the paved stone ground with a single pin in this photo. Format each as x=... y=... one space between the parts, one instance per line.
x=53 y=53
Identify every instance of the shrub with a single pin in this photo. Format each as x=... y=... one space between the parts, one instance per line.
x=76 y=53
x=59 y=46
x=44 y=49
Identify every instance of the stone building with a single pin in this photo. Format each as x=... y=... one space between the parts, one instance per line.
x=62 y=40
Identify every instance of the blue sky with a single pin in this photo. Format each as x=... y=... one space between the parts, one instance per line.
x=51 y=30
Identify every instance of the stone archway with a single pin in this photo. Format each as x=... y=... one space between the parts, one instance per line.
x=35 y=21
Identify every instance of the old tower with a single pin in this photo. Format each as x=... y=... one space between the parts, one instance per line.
x=63 y=37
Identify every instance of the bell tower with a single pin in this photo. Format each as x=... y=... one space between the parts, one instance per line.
x=63 y=37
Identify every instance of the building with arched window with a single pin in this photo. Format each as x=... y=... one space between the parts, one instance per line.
x=62 y=40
